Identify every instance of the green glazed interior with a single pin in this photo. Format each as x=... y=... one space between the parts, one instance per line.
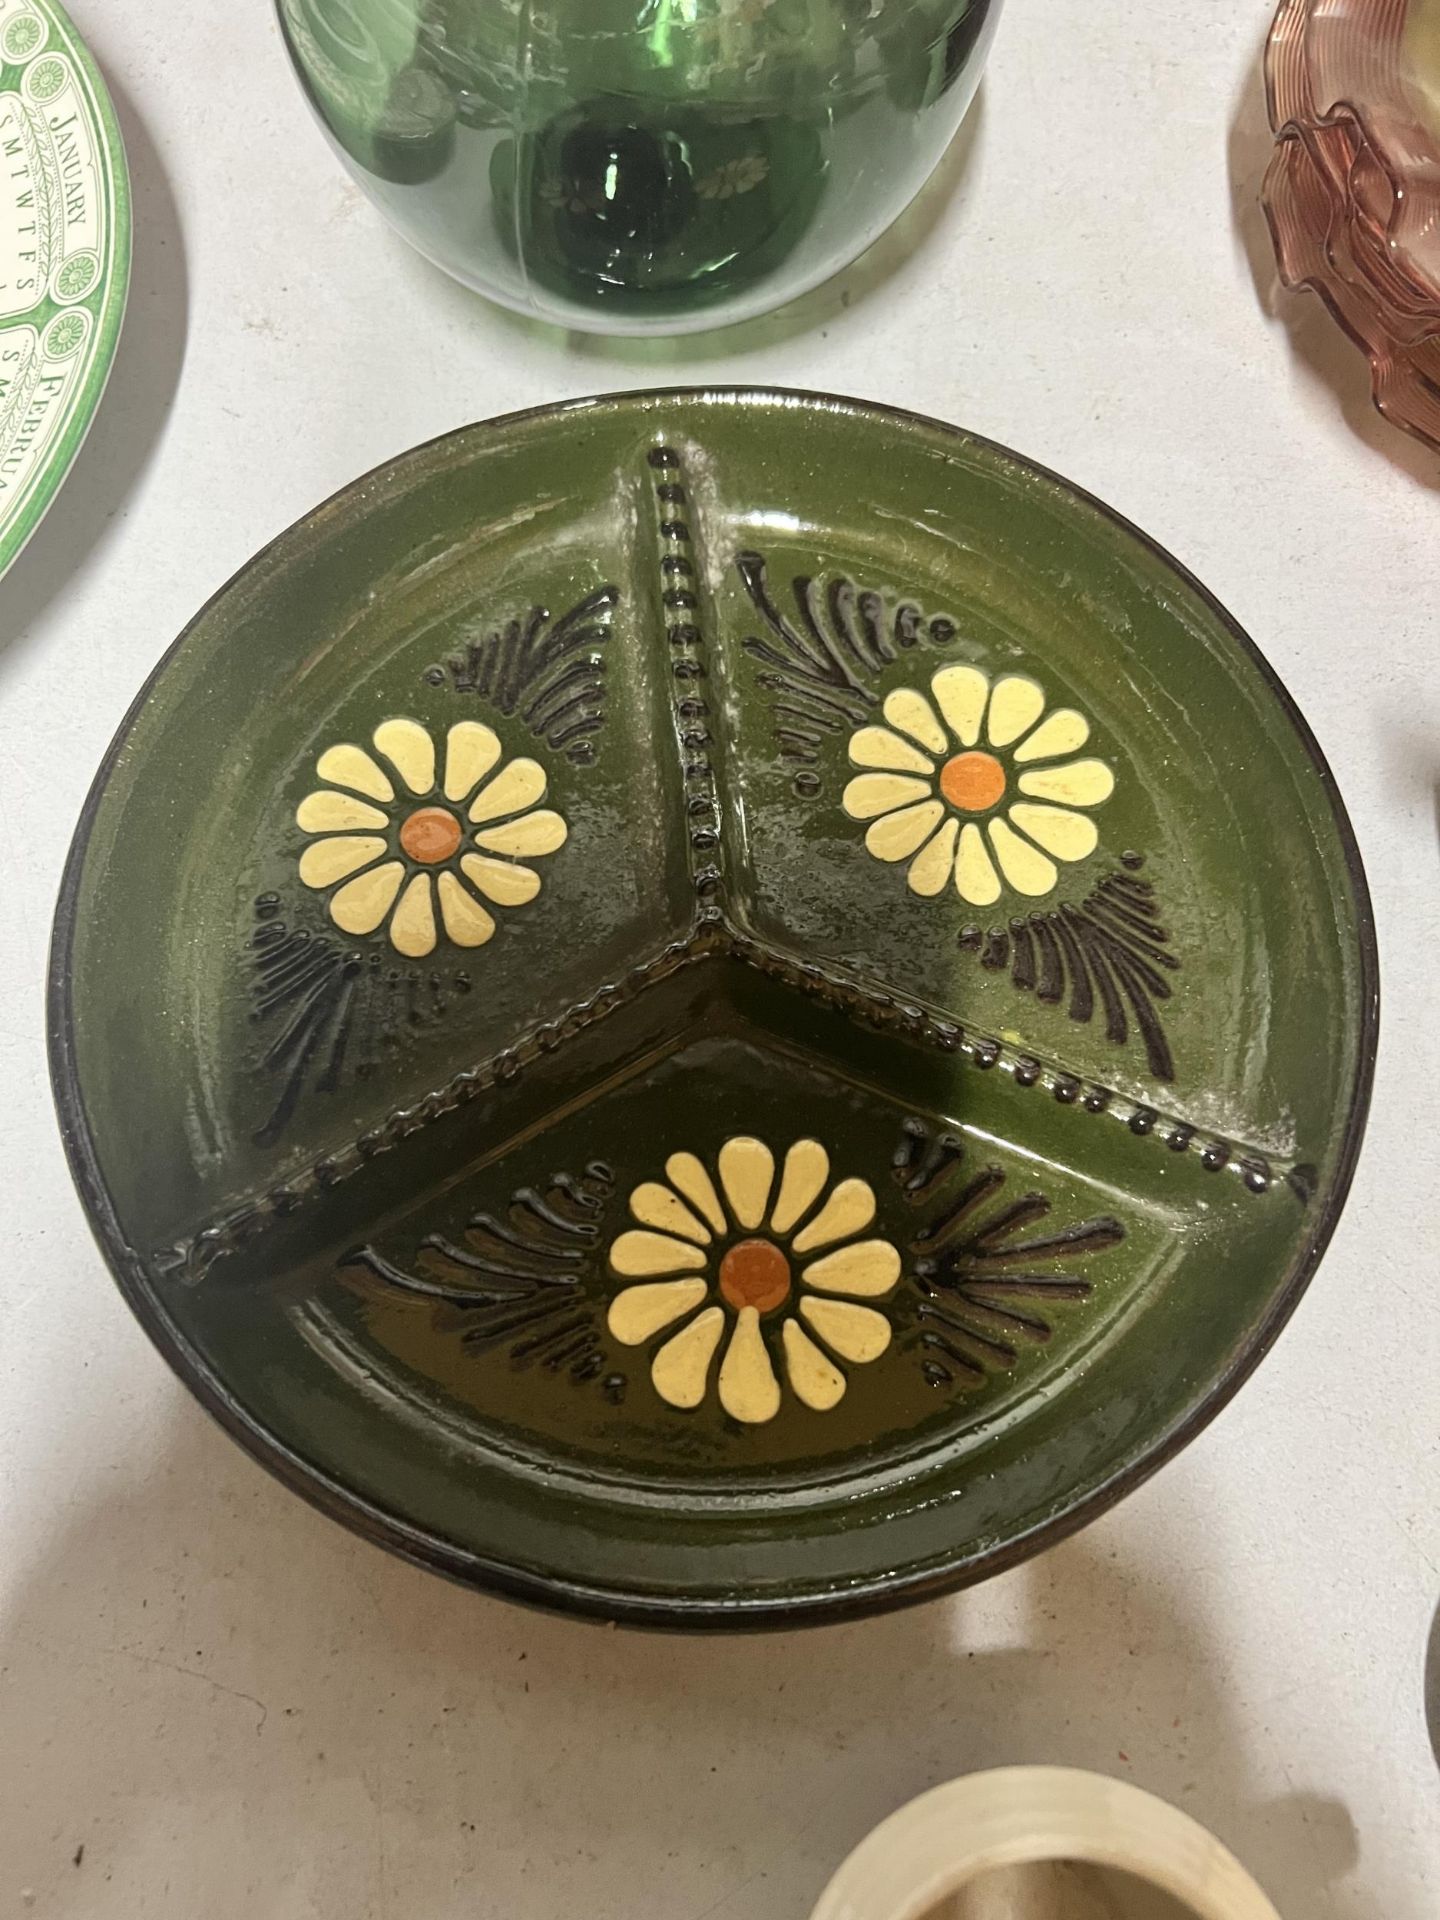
x=713 y=956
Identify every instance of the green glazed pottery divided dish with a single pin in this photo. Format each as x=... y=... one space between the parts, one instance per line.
x=713 y=1007
x=64 y=256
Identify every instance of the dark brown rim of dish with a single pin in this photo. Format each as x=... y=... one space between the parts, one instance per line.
x=883 y=1592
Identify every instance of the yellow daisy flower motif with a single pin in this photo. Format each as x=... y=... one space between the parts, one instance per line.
x=717 y=1258
x=975 y=750
x=402 y=829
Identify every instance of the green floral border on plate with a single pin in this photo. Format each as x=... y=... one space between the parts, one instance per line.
x=104 y=301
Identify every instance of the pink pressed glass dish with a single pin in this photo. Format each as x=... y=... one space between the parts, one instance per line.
x=1352 y=193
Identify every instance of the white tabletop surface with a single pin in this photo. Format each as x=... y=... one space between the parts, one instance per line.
x=216 y=1705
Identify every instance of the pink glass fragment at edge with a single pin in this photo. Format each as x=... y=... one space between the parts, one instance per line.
x=1352 y=193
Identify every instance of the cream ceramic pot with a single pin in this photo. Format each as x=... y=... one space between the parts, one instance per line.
x=957 y=1853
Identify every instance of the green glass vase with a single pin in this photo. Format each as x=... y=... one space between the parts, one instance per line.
x=640 y=166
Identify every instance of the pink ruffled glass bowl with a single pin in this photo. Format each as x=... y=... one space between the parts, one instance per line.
x=1352 y=193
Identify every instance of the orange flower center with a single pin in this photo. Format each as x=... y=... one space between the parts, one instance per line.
x=430 y=835
x=973 y=782
x=755 y=1273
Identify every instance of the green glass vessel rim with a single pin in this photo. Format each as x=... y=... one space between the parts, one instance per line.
x=883 y=1591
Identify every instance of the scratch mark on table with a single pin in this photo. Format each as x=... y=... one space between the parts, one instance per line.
x=195 y=1673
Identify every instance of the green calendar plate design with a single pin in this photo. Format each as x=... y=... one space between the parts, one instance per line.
x=64 y=256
